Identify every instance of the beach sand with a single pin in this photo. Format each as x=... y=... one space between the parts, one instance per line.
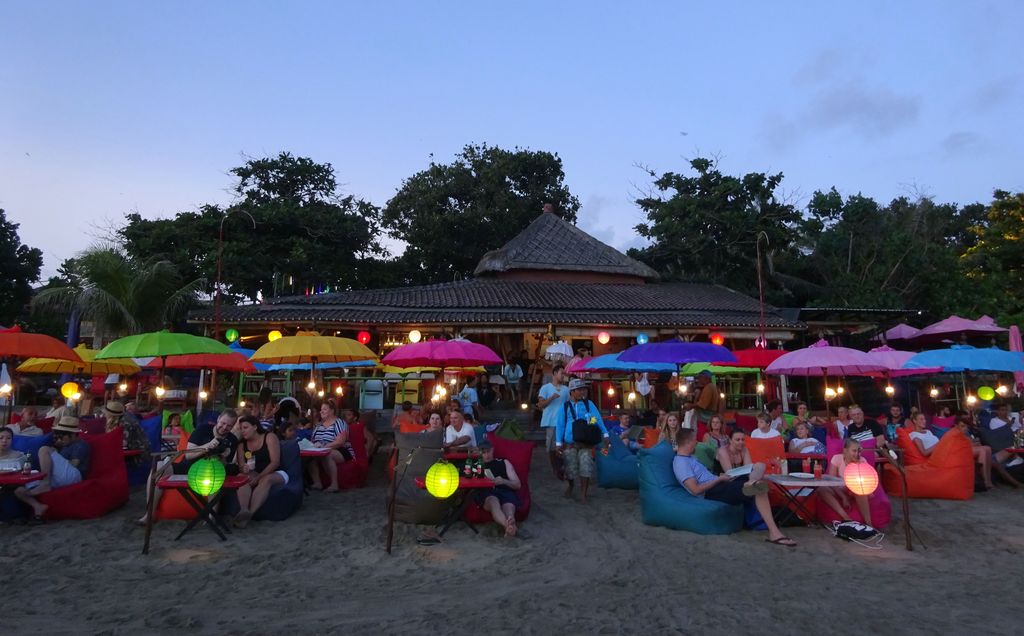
x=579 y=569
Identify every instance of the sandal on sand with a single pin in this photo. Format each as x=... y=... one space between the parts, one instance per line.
x=782 y=541
x=756 y=488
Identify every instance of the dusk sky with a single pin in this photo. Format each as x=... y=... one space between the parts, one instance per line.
x=113 y=107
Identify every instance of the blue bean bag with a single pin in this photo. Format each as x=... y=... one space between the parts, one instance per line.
x=663 y=502
x=619 y=468
x=284 y=499
x=30 y=445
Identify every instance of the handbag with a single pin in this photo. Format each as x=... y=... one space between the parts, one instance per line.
x=583 y=432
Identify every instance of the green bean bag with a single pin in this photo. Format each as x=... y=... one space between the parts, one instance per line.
x=619 y=468
x=663 y=502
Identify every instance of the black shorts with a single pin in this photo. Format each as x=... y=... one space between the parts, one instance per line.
x=730 y=492
x=504 y=496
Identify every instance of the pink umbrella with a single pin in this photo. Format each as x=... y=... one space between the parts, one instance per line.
x=576 y=366
x=957 y=326
x=901 y=331
x=442 y=353
x=894 y=361
x=820 y=359
x=1016 y=345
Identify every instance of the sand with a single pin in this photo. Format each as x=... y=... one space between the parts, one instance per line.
x=580 y=569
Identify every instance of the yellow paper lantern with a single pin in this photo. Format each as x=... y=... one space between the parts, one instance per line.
x=274 y=335
x=442 y=480
x=861 y=479
x=68 y=389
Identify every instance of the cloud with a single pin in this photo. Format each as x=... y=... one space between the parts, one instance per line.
x=964 y=143
x=823 y=66
x=993 y=94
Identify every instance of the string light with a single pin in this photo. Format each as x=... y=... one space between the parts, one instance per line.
x=159 y=391
x=611 y=391
x=524 y=406
x=829 y=393
x=123 y=387
x=934 y=392
x=339 y=391
x=889 y=390
x=760 y=389
x=971 y=400
x=1002 y=389
x=203 y=395
x=311 y=385
x=631 y=397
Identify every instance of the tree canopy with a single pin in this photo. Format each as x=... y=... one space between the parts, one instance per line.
x=19 y=269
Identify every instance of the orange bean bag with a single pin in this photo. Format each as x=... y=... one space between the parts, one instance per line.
x=947 y=474
x=764 y=450
x=649 y=438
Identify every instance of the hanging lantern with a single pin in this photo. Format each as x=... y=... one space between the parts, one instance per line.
x=986 y=393
x=311 y=385
x=760 y=389
x=889 y=390
x=641 y=338
x=717 y=339
x=415 y=335
x=631 y=397
x=68 y=389
x=320 y=393
x=206 y=476
x=160 y=391
x=231 y=335
x=934 y=392
x=442 y=479
x=203 y=395
x=338 y=390
x=611 y=391
x=274 y=335
x=971 y=400
x=123 y=387
x=363 y=337
x=830 y=393
x=604 y=337
x=861 y=479
x=840 y=390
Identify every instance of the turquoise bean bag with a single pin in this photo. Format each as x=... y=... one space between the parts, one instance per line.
x=619 y=468
x=663 y=502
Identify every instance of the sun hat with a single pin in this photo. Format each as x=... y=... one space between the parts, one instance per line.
x=67 y=424
x=577 y=383
x=113 y=407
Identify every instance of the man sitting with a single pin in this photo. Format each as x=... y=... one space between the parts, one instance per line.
x=459 y=435
x=27 y=424
x=699 y=482
x=764 y=429
x=65 y=463
x=502 y=500
x=621 y=430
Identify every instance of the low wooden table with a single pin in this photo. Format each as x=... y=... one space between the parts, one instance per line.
x=460 y=499
x=783 y=483
x=206 y=510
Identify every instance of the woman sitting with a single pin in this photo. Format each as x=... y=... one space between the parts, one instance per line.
x=434 y=423
x=716 y=432
x=173 y=425
x=10 y=459
x=733 y=455
x=924 y=439
x=838 y=497
x=330 y=433
x=983 y=454
x=802 y=441
x=669 y=430
x=259 y=459
x=502 y=500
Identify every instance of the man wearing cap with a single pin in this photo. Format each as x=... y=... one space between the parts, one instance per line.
x=65 y=463
x=709 y=399
x=576 y=415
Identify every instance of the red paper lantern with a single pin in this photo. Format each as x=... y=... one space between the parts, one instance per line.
x=861 y=479
x=717 y=339
x=604 y=337
x=363 y=337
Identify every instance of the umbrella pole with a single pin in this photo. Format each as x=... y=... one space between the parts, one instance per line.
x=827 y=411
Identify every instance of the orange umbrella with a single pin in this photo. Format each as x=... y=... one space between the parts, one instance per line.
x=15 y=343
x=234 y=362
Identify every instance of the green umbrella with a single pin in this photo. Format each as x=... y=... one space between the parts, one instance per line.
x=161 y=344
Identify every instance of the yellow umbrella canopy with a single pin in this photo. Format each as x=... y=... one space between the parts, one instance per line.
x=88 y=366
x=308 y=347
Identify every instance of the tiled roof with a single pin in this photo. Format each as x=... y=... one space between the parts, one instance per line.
x=491 y=301
x=552 y=243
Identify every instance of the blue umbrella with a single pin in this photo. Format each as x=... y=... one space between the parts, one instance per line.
x=236 y=346
x=610 y=362
x=321 y=365
x=676 y=352
x=959 y=358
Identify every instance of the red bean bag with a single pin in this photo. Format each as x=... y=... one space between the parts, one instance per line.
x=764 y=450
x=519 y=455
x=352 y=474
x=878 y=504
x=948 y=473
x=746 y=423
x=103 y=489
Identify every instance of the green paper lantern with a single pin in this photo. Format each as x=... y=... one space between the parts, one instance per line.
x=442 y=480
x=206 y=476
x=231 y=335
x=986 y=393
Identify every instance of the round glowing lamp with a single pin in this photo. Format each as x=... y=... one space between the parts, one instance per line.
x=683 y=388
x=160 y=391
x=524 y=406
x=717 y=339
x=442 y=480
x=206 y=476
x=642 y=338
x=829 y=393
x=320 y=393
x=760 y=389
x=840 y=390
x=861 y=479
x=604 y=337
x=241 y=404
x=611 y=391
x=721 y=395
x=311 y=385
x=1002 y=389
x=68 y=389
x=934 y=392
x=203 y=395
x=986 y=393
x=5 y=389
x=889 y=390
x=274 y=335
x=339 y=391
x=123 y=387
x=231 y=335
x=631 y=397
x=415 y=335
x=76 y=396
x=363 y=337
x=971 y=400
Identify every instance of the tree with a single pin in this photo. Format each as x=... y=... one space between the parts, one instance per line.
x=119 y=294
x=306 y=235
x=994 y=264
x=19 y=268
x=706 y=227
x=450 y=215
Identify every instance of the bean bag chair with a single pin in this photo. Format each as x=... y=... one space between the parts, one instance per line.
x=415 y=455
x=45 y=424
x=998 y=439
x=352 y=474
x=663 y=502
x=746 y=423
x=519 y=454
x=30 y=445
x=764 y=450
x=102 y=490
x=406 y=442
x=619 y=468
x=284 y=499
x=649 y=438
x=948 y=473
x=878 y=503
x=944 y=422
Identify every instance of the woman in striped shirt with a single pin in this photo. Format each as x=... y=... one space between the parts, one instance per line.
x=332 y=433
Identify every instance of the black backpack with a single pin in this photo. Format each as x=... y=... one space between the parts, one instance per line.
x=583 y=432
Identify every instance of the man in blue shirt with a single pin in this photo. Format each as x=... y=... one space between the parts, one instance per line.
x=699 y=482
x=577 y=455
x=551 y=399
x=469 y=399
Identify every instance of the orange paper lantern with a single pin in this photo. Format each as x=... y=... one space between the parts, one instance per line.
x=717 y=339
x=860 y=478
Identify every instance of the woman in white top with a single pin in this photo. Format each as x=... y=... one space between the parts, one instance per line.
x=838 y=497
x=924 y=439
x=10 y=459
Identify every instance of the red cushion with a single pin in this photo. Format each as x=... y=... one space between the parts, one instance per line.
x=103 y=489
x=519 y=454
x=352 y=474
x=746 y=423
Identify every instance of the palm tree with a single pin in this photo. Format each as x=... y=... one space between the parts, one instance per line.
x=119 y=294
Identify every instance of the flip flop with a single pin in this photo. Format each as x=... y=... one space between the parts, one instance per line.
x=780 y=540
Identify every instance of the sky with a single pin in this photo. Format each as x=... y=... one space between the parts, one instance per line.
x=108 y=108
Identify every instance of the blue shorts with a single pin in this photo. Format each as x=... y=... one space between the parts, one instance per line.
x=730 y=492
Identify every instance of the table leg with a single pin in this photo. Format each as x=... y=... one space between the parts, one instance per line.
x=204 y=513
x=456 y=514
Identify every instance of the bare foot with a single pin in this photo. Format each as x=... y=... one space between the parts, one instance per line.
x=333 y=489
x=39 y=509
x=242 y=519
x=316 y=486
x=510 y=527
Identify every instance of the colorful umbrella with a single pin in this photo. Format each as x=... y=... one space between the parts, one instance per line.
x=960 y=358
x=677 y=352
x=901 y=331
x=957 y=326
x=326 y=365
x=87 y=365
x=160 y=344
x=312 y=348
x=756 y=357
x=894 y=361
x=820 y=359
x=16 y=344
x=611 y=362
x=232 y=362
x=576 y=366
x=696 y=367
x=442 y=353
